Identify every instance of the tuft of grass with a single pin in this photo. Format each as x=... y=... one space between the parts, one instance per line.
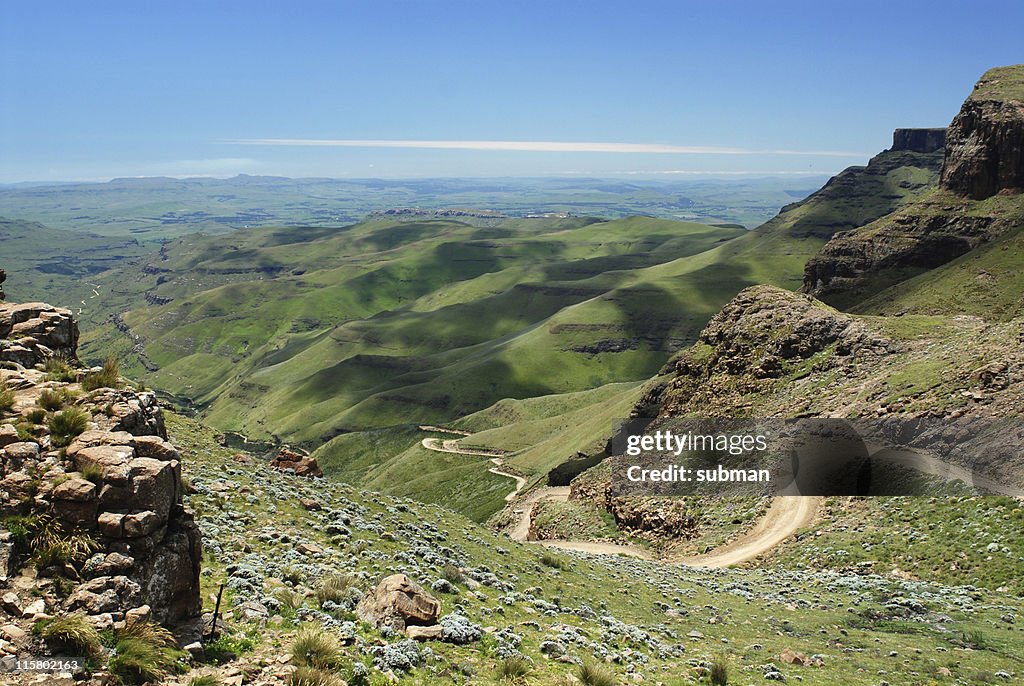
x=67 y=424
x=53 y=545
x=334 y=587
x=311 y=676
x=719 y=672
x=204 y=680
x=513 y=669
x=53 y=399
x=316 y=648
x=227 y=648
x=145 y=651
x=92 y=472
x=58 y=369
x=553 y=561
x=36 y=415
x=73 y=632
x=6 y=397
x=109 y=377
x=592 y=673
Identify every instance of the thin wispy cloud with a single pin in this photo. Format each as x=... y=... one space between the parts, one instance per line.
x=535 y=146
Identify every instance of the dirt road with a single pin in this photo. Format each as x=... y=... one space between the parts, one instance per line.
x=787 y=515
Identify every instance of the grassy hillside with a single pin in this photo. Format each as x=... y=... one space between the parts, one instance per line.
x=986 y=282
x=301 y=334
x=308 y=334
x=47 y=264
x=276 y=540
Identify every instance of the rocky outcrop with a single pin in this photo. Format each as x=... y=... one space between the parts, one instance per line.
x=115 y=488
x=919 y=140
x=3 y=277
x=984 y=156
x=297 y=463
x=398 y=602
x=763 y=334
x=31 y=333
x=985 y=146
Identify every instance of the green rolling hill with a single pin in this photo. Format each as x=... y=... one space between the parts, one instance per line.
x=337 y=338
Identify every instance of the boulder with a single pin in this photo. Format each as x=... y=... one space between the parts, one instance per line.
x=114 y=460
x=301 y=465
x=398 y=602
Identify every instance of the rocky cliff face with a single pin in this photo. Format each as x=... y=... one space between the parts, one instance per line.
x=984 y=158
x=919 y=140
x=985 y=146
x=90 y=489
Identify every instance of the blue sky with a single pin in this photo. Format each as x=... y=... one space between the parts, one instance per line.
x=401 y=89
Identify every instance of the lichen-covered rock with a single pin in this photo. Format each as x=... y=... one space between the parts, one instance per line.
x=398 y=602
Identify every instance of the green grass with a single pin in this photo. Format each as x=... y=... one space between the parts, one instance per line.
x=6 y=397
x=316 y=648
x=107 y=377
x=67 y=424
x=1001 y=83
x=985 y=282
x=70 y=632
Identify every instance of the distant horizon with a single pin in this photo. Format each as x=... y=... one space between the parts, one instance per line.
x=455 y=89
x=663 y=177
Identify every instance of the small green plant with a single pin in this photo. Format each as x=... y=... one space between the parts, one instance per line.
x=52 y=399
x=512 y=669
x=36 y=415
x=58 y=369
x=316 y=648
x=6 y=397
x=975 y=640
x=66 y=425
x=334 y=588
x=311 y=676
x=592 y=673
x=553 y=561
x=72 y=632
x=204 y=680
x=719 y=672
x=145 y=651
x=226 y=648
x=92 y=472
x=107 y=378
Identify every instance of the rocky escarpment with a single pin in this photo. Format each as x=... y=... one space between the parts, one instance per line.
x=859 y=195
x=983 y=170
x=91 y=514
x=985 y=148
x=919 y=140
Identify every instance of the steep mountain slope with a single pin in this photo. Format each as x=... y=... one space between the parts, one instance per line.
x=977 y=201
x=948 y=355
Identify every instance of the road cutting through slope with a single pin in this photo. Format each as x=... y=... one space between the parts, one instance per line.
x=785 y=516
